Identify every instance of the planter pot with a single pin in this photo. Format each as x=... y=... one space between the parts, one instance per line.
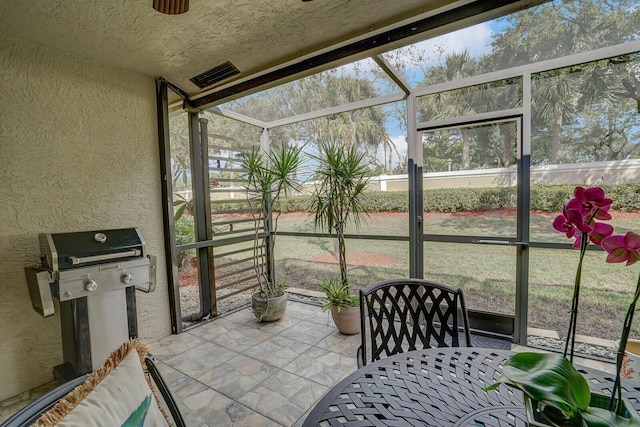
x=347 y=320
x=268 y=309
x=536 y=417
x=631 y=361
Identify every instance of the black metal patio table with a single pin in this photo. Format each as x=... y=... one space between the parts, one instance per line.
x=436 y=387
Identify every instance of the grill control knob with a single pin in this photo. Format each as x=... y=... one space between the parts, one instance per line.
x=126 y=278
x=90 y=285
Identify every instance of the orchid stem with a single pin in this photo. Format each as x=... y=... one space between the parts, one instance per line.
x=626 y=329
x=571 y=334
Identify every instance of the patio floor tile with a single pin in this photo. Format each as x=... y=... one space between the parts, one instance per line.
x=237 y=376
x=302 y=311
x=241 y=316
x=277 y=351
x=213 y=329
x=241 y=338
x=322 y=366
x=340 y=343
x=198 y=360
x=196 y=401
x=307 y=332
x=284 y=397
x=237 y=415
x=275 y=327
x=173 y=345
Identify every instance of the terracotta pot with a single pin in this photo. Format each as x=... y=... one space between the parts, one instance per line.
x=348 y=320
x=268 y=309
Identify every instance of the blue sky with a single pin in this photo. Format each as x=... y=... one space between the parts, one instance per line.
x=475 y=39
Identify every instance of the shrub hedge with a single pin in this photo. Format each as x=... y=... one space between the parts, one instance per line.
x=626 y=197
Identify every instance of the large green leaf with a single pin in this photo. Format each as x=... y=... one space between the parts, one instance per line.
x=548 y=378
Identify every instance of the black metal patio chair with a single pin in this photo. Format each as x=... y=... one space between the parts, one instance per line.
x=408 y=314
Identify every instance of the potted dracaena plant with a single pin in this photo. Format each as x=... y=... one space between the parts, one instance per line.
x=556 y=394
x=337 y=198
x=268 y=176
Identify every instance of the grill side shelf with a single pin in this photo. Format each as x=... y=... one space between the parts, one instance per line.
x=38 y=280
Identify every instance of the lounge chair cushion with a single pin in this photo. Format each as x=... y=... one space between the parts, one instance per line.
x=116 y=394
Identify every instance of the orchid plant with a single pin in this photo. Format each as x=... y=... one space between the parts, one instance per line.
x=552 y=380
x=578 y=220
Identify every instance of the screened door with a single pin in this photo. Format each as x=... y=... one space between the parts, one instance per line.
x=475 y=218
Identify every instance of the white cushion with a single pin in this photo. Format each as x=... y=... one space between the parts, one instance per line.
x=117 y=394
x=123 y=398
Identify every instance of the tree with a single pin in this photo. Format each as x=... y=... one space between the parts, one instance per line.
x=338 y=195
x=558 y=29
x=552 y=96
x=180 y=156
x=362 y=128
x=454 y=103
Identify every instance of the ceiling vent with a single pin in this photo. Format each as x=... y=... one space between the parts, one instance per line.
x=215 y=75
x=171 y=7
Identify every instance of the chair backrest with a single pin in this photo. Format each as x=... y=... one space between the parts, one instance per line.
x=31 y=412
x=409 y=314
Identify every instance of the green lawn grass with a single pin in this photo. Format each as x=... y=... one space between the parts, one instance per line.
x=485 y=273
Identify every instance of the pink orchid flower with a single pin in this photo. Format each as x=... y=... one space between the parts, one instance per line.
x=600 y=232
x=569 y=221
x=590 y=199
x=603 y=213
x=622 y=248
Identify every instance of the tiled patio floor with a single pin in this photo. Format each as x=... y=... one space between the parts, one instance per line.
x=235 y=371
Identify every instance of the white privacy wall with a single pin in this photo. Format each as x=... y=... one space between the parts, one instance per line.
x=78 y=151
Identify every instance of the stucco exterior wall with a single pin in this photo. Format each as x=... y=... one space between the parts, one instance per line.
x=78 y=151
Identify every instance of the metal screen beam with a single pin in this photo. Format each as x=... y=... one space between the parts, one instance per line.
x=462 y=16
x=365 y=103
x=171 y=257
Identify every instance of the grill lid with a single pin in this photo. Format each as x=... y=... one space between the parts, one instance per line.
x=62 y=251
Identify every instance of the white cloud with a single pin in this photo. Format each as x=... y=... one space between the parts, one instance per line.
x=475 y=39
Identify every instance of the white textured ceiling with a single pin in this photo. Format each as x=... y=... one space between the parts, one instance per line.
x=255 y=35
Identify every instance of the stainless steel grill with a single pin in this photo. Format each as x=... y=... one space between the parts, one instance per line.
x=93 y=275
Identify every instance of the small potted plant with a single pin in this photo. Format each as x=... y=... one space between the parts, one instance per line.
x=337 y=198
x=345 y=308
x=268 y=177
x=556 y=394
